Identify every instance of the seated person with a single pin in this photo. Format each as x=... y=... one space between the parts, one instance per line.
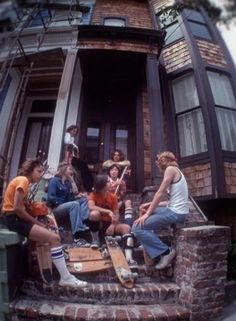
x=104 y=216
x=118 y=158
x=117 y=186
x=18 y=218
x=61 y=199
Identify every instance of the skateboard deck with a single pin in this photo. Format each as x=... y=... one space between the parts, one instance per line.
x=122 y=269
x=87 y=260
x=44 y=261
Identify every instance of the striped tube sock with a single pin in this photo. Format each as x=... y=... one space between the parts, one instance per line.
x=59 y=261
x=128 y=216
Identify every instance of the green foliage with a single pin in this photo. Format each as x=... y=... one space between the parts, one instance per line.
x=170 y=13
x=231 y=273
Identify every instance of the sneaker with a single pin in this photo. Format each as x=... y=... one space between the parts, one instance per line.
x=81 y=242
x=165 y=260
x=72 y=281
x=95 y=245
x=132 y=264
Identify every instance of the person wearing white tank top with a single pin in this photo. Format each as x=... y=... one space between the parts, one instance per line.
x=158 y=213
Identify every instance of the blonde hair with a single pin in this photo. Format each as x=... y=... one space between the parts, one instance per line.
x=167 y=159
x=62 y=168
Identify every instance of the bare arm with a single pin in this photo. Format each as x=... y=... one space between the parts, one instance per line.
x=159 y=195
x=20 y=211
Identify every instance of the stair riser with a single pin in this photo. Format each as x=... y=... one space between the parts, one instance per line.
x=70 y=312
x=105 y=293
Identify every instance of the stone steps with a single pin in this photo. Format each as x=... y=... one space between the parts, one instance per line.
x=104 y=293
x=29 y=309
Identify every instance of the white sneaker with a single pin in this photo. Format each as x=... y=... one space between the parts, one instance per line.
x=72 y=281
x=165 y=260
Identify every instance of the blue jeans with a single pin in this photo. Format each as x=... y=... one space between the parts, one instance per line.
x=78 y=212
x=147 y=235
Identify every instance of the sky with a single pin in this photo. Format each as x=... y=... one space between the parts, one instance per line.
x=228 y=33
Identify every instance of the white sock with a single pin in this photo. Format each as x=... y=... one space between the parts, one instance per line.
x=59 y=262
x=95 y=236
x=128 y=254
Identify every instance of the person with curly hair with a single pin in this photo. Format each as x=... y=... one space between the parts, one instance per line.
x=18 y=218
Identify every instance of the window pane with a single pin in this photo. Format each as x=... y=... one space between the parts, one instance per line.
x=185 y=93
x=37 y=21
x=122 y=139
x=192 y=136
x=116 y=22
x=221 y=89
x=166 y=18
x=200 y=30
x=92 y=144
x=226 y=122
x=193 y=15
x=173 y=33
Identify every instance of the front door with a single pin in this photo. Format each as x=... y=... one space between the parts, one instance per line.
x=109 y=123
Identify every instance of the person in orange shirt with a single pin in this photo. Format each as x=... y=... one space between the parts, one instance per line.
x=18 y=219
x=104 y=217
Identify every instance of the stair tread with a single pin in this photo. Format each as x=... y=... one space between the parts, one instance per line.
x=72 y=311
x=105 y=293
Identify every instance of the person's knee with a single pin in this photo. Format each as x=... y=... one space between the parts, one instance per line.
x=55 y=239
x=128 y=203
x=94 y=215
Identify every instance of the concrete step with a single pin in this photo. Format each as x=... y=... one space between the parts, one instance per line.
x=104 y=293
x=29 y=309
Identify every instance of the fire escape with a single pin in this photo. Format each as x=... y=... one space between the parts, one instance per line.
x=16 y=56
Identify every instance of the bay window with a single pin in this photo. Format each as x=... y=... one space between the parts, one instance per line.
x=190 y=124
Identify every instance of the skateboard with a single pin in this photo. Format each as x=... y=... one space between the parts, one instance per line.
x=120 y=264
x=87 y=260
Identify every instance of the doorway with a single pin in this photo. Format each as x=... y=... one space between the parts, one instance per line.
x=111 y=81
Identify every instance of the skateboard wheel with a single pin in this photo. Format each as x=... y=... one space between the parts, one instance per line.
x=135 y=275
x=109 y=238
x=118 y=238
x=78 y=267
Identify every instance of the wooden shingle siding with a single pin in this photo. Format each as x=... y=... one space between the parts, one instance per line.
x=176 y=56
x=230 y=177
x=211 y=53
x=146 y=139
x=160 y=4
x=117 y=45
x=199 y=179
x=135 y=12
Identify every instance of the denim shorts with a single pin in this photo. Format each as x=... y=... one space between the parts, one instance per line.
x=16 y=224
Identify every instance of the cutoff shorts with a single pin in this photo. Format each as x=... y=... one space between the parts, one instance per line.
x=16 y=224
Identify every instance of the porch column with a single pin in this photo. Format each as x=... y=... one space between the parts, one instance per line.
x=74 y=111
x=58 y=127
x=156 y=113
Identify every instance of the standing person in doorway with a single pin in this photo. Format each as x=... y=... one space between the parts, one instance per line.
x=69 y=141
x=19 y=220
x=157 y=214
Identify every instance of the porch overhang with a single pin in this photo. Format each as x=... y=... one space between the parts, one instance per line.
x=88 y=35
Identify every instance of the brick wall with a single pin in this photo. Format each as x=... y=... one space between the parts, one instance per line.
x=176 y=56
x=199 y=179
x=201 y=266
x=230 y=177
x=147 y=138
x=211 y=53
x=136 y=12
x=160 y=4
x=117 y=45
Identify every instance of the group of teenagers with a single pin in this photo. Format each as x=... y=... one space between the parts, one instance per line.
x=97 y=213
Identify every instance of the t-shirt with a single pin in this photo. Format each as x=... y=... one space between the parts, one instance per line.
x=108 y=201
x=121 y=190
x=19 y=182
